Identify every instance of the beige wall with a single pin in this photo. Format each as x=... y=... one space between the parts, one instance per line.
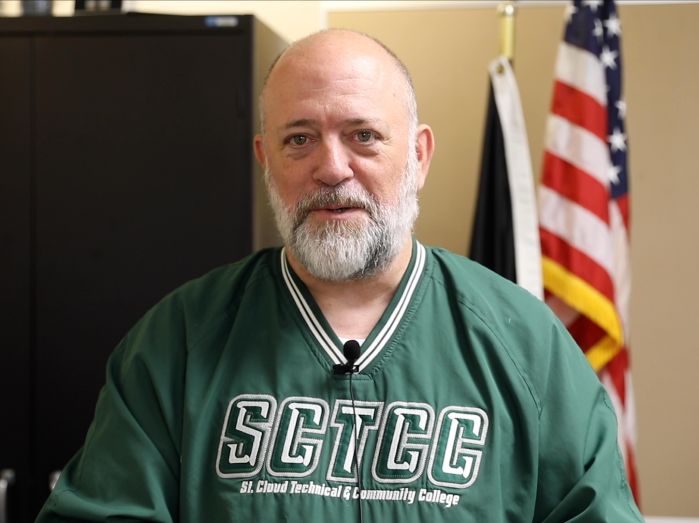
x=448 y=50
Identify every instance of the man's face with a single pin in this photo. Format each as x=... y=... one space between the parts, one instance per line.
x=340 y=156
x=343 y=249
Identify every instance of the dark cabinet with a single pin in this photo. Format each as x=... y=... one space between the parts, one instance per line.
x=125 y=170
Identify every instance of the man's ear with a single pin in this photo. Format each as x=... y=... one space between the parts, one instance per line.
x=424 y=146
x=259 y=148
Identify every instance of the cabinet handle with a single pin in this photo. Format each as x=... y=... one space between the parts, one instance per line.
x=7 y=478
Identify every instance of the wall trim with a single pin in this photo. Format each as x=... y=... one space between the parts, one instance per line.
x=388 y=5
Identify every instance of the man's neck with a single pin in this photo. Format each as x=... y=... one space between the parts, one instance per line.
x=353 y=307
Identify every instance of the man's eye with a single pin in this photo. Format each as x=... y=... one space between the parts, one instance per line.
x=365 y=136
x=299 y=139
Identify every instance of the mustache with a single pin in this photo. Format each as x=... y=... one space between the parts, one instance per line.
x=335 y=197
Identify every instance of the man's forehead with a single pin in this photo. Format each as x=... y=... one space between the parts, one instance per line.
x=333 y=70
x=333 y=42
x=330 y=111
x=340 y=57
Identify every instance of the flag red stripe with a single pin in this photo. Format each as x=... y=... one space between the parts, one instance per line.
x=586 y=332
x=576 y=185
x=580 y=108
x=623 y=204
x=576 y=262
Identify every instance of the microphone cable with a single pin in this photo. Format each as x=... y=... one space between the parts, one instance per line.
x=352 y=351
x=356 y=447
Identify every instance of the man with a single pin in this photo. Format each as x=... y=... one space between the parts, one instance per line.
x=232 y=400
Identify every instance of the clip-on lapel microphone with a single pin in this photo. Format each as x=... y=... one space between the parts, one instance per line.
x=352 y=351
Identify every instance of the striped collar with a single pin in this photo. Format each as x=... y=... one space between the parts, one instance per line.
x=382 y=332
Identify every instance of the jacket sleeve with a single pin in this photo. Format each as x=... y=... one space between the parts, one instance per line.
x=129 y=465
x=581 y=471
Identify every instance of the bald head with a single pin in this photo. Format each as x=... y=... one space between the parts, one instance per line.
x=338 y=48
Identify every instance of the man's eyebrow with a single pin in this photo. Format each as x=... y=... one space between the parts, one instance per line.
x=364 y=121
x=301 y=122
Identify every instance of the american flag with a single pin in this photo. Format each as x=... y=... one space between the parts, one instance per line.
x=584 y=204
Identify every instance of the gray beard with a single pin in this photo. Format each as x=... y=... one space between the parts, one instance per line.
x=347 y=249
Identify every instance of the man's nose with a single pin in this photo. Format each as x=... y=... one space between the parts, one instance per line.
x=333 y=166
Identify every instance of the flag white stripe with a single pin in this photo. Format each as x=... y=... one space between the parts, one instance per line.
x=521 y=180
x=582 y=70
x=578 y=146
x=621 y=275
x=577 y=226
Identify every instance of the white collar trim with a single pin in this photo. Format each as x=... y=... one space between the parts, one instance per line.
x=326 y=342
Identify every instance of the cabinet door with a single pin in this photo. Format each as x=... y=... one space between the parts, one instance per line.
x=143 y=182
x=15 y=265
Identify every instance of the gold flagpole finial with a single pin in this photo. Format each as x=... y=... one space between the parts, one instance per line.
x=507 y=12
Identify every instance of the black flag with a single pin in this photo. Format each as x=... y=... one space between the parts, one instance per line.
x=505 y=234
x=492 y=242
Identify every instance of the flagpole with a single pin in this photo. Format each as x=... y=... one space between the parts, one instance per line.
x=507 y=11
